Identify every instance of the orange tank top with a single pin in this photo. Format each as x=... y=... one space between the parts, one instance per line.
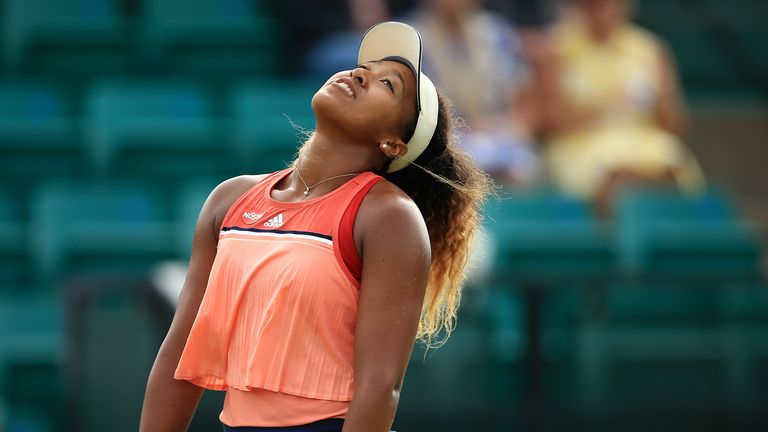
x=276 y=323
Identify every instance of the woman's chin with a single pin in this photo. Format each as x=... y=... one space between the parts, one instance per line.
x=329 y=98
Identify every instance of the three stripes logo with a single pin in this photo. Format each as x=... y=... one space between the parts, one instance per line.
x=275 y=222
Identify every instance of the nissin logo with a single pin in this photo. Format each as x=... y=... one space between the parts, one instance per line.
x=251 y=217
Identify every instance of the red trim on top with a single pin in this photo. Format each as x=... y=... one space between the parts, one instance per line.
x=346 y=238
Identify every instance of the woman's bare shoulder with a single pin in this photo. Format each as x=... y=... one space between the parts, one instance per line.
x=386 y=205
x=227 y=192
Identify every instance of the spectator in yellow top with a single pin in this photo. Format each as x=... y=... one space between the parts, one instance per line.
x=617 y=114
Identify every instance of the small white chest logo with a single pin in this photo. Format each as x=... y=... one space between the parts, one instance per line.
x=275 y=222
x=251 y=217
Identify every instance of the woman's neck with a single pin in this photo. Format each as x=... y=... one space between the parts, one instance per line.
x=323 y=157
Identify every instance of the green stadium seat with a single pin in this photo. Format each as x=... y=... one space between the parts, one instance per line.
x=14 y=253
x=650 y=368
x=162 y=130
x=115 y=341
x=262 y=113
x=192 y=196
x=657 y=344
x=97 y=227
x=659 y=305
x=78 y=38
x=31 y=353
x=543 y=237
x=744 y=304
x=116 y=327
x=461 y=378
x=38 y=135
x=211 y=37
x=500 y=313
x=743 y=22
x=663 y=233
x=706 y=71
x=744 y=310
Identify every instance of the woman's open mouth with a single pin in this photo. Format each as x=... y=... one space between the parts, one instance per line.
x=345 y=86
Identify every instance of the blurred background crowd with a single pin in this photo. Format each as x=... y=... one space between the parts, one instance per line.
x=619 y=283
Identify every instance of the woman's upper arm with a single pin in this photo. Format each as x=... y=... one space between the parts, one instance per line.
x=670 y=108
x=204 y=242
x=396 y=258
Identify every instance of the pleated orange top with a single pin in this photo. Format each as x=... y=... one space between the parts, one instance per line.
x=280 y=307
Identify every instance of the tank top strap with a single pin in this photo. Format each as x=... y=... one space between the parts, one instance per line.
x=346 y=193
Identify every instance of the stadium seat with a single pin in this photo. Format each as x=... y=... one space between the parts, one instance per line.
x=116 y=327
x=663 y=233
x=621 y=369
x=31 y=353
x=211 y=37
x=77 y=38
x=262 y=115
x=500 y=312
x=743 y=22
x=706 y=71
x=744 y=310
x=14 y=258
x=38 y=137
x=164 y=130
x=488 y=386
x=98 y=227
x=543 y=236
x=191 y=198
x=663 y=343
x=113 y=333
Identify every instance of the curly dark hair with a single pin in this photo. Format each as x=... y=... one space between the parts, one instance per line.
x=449 y=188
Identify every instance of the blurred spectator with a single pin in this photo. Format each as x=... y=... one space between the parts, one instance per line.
x=323 y=36
x=617 y=115
x=476 y=57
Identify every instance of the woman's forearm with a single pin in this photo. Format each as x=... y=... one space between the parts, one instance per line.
x=169 y=404
x=373 y=407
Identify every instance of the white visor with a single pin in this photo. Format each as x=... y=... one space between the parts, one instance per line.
x=398 y=41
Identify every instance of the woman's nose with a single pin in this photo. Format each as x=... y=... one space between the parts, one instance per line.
x=361 y=75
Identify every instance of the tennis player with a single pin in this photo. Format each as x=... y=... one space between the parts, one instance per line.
x=308 y=287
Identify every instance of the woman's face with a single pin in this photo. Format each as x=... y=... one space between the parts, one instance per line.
x=371 y=103
x=603 y=16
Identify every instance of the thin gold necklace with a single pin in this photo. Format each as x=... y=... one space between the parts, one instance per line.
x=307 y=188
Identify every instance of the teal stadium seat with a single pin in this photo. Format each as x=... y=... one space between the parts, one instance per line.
x=261 y=129
x=191 y=198
x=663 y=233
x=744 y=22
x=744 y=309
x=14 y=262
x=211 y=37
x=38 y=135
x=98 y=228
x=114 y=340
x=706 y=71
x=165 y=130
x=77 y=38
x=460 y=381
x=544 y=237
x=116 y=328
x=661 y=344
x=31 y=355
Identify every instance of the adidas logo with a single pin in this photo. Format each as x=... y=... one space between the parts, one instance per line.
x=251 y=217
x=275 y=222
